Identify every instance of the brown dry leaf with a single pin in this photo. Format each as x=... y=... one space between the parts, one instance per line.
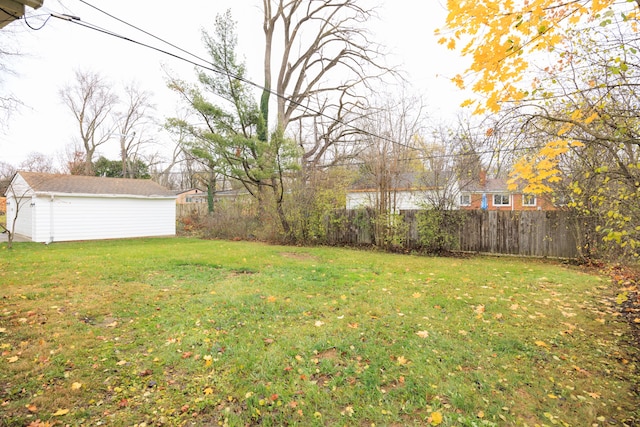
x=31 y=408
x=402 y=360
x=352 y=325
x=187 y=354
x=423 y=334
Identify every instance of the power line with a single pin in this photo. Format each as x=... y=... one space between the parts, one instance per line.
x=210 y=67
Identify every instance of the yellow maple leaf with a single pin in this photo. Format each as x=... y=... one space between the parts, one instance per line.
x=435 y=418
x=76 y=386
x=208 y=390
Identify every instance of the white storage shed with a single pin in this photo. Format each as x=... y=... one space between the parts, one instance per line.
x=57 y=207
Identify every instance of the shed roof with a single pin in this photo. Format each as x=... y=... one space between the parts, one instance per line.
x=77 y=184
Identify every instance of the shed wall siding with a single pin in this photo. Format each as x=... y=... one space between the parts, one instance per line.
x=68 y=218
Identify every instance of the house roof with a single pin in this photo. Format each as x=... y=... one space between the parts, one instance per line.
x=492 y=185
x=402 y=181
x=77 y=184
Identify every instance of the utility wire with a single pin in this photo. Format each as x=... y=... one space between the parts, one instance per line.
x=213 y=68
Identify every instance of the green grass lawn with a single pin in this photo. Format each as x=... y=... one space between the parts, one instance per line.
x=192 y=332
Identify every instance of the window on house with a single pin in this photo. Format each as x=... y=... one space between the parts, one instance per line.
x=501 y=200
x=528 y=200
x=465 y=200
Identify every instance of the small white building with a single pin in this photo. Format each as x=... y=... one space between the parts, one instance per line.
x=55 y=207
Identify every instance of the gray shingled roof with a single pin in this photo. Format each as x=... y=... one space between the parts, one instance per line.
x=492 y=185
x=76 y=184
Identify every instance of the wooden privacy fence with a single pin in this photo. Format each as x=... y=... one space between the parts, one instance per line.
x=555 y=234
x=525 y=233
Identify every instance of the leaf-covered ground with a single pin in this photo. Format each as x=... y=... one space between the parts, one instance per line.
x=190 y=332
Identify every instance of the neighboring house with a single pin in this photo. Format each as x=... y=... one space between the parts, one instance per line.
x=408 y=191
x=56 y=207
x=494 y=195
x=194 y=195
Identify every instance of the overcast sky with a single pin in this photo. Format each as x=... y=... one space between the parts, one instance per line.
x=55 y=51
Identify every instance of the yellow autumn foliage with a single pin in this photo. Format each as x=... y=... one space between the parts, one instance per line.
x=500 y=36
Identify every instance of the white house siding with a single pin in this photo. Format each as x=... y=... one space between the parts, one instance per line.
x=404 y=200
x=69 y=217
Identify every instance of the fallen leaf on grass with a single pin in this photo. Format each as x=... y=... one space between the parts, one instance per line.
x=542 y=344
x=31 y=408
x=271 y=299
x=60 y=412
x=417 y=295
x=208 y=390
x=13 y=359
x=348 y=411
x=318 y=323
x=121 y=362
x=3 y=330
x=423 y=334
x=208 y=360
x=402 y=360
x=352 y=325
x=76 y=386
x=435 y=418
